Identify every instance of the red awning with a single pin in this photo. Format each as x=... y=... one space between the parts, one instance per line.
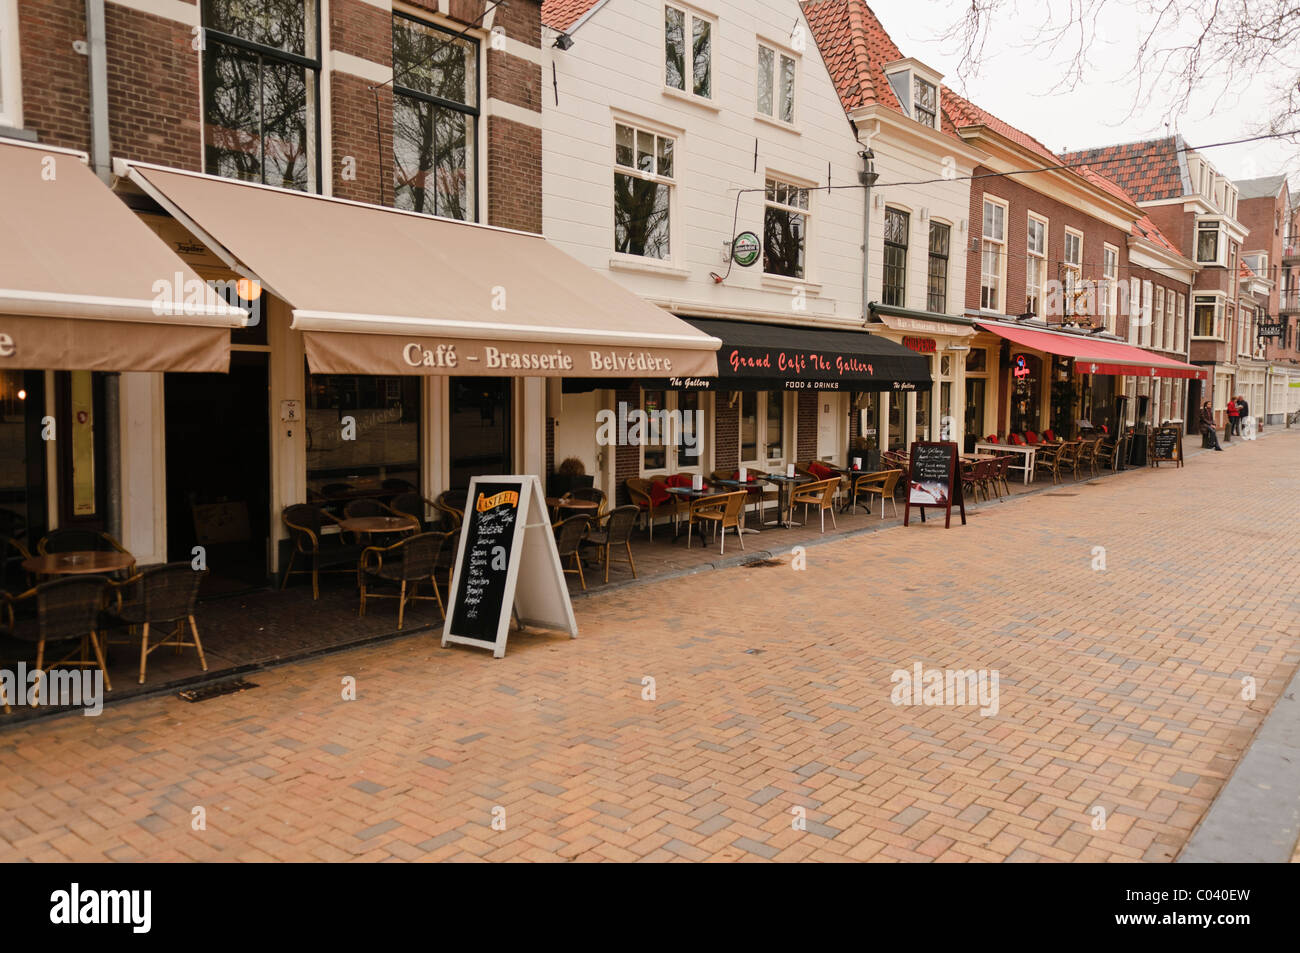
x=1093 y=356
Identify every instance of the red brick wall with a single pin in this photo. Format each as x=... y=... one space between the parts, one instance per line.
x=1021 y=199
x=56 y=95
x=153 y=89
x=361 y=29
x=353 y=115
x=514 y=170
x=806 y=426
x=726 y=432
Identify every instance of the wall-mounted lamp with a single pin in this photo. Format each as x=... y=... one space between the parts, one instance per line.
x=563 y=42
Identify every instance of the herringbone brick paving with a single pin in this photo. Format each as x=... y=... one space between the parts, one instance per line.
x=1120 y=689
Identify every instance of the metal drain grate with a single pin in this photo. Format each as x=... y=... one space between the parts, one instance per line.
x=216 y=690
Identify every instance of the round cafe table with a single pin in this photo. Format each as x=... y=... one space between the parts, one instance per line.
x=378 y=524
x=79 y=563
x=587 y=507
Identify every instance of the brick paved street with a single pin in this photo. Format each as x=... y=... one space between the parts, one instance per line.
x=1120 y=689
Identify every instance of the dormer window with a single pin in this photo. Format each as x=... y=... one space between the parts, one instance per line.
x=925 y=102
x=917 y=89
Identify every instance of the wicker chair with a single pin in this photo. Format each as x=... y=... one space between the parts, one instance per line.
x=1000 y=473
x=616 y=531
x=408 y=562
x=160 y=595
x=820 y=494
x=414 y=505
x=881 y=484
x=721 y=511
x=452 y=502
x=568 y=540
x=1069 y=457
x=640 y=492
x=67 y=613
x=13 y=577
x=303 y=521
x=77 y=540
x=1088 y=450
x=591 y=494
x=1048 y=460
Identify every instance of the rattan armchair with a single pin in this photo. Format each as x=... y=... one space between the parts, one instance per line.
x=569 y=535
x=405 y=563
x=67 y=613
x=719 y=510
x=640 y=492
x=304 y=522
x=881 y=484
x=158 y=596
x=72 y=540
x=820 y=494
x=615 y=530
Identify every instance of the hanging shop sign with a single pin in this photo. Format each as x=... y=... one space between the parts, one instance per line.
x=934 y=479
x=1272 y=329
x=507 y=566
x=745 y=249
x=1020 y=366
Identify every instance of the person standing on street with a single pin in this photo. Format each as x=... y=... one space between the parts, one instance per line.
x=1209 y=436
x=1243 y=409
x=1231 y=421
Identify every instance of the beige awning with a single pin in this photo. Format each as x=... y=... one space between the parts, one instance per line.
x=381 y=291
x=84 y=285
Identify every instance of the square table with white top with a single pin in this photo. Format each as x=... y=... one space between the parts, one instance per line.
x=1027 y=450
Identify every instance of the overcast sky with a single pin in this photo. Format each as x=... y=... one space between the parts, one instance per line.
x=1016 y=83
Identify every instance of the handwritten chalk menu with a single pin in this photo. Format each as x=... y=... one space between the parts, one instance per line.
x=934 y=479
x=1167 y=446
x=507 y=566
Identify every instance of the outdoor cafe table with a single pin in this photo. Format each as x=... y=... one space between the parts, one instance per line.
x=378 y=524
x=82 y=562
x=1027 y=450
x=784 y=485
x=558 y=503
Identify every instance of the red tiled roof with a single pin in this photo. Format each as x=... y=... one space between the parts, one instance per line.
x=1150 y=170
x=1143 y=227
x=1147 y=229
x=1244 y=270
x=562 y=14
x=855 y=48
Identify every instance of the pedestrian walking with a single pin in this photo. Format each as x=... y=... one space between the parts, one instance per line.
x=1234 y=418
x=1209 y=436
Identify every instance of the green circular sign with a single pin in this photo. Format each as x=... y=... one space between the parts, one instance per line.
x=745 y=249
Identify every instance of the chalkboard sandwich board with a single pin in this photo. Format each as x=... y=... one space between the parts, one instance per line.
x=1167 y=446
x=934 y=479
x=506 y=566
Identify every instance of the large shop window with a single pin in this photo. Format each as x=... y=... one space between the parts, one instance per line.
x=1026 y=384
x=643 y=182
x=363 y=435
x=762 y=426
x=22 y=466
x=435 y=120
x=785 y=229
x=261 y=91
x=671 y=450
x=894 y=290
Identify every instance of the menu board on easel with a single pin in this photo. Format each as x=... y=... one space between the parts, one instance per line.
x=934 y=479
x=507 y=566
x=1167 y=446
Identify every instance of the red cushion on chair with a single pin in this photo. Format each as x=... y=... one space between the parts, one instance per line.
x=678 y=479
x=1016 y=439
x=991 y=438
x=1049 y=436
x=1031 y=437
x=819 y=471
x=659 y=494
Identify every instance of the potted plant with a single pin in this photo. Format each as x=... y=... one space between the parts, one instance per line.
x=570 y=475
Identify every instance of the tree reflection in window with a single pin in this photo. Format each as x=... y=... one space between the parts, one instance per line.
x=643 y=174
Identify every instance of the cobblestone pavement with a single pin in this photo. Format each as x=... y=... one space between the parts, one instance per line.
x=1120 y=690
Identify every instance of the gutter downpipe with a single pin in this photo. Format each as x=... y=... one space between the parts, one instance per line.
x=101 y=162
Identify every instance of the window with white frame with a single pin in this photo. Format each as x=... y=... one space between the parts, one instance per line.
x=925 y=102
x=1072 y=266
x=643 y=186
x=10 y=83
x=1207 y=319
x=1134 y=309
x=1207 y=243
x=1180 y=324
x=658 y=453
x=893 y=289
x=1109 y=290
x=1035 y=264
x=785 y=229
x=1232 y=270
x=936 y=292
x=1243 y=332
x=1148 y=315
x=1257 y=262
x=778 y=75
x=688 y=51
x=762 y=427
x=1157 y=319
x=1171 y=320
x=993 y=255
